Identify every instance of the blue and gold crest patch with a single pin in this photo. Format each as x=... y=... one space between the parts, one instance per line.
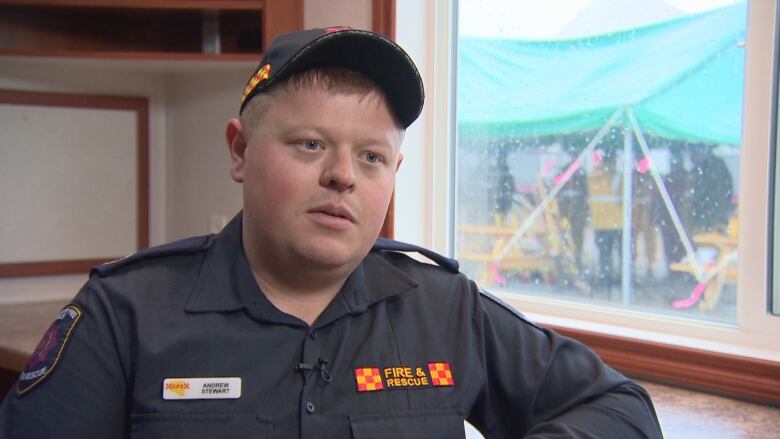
x=49 y=350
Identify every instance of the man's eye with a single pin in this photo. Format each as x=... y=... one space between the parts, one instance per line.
x=311 y=145
x=373 y=158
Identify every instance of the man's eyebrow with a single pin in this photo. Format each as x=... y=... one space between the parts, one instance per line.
x=298 y=128
x=381 y=141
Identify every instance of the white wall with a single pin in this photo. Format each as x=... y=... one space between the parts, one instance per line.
x=90 y=77
x=413 y=184
x=83 y=182
x=199 y=106
x=101 y=78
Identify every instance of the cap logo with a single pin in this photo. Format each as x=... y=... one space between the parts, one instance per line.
x=261 y=75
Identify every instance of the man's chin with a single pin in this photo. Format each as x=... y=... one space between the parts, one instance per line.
x=329 y=254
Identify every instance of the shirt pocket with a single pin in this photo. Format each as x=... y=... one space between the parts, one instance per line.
x=186 y=425
x=418 y=424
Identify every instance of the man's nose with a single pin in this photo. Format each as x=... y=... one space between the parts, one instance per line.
x=338 y=172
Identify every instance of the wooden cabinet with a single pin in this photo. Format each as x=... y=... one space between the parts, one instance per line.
x=145 y=29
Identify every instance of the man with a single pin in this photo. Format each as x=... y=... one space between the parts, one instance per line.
x=712 y=189
x=605 y=189
x=288 y=323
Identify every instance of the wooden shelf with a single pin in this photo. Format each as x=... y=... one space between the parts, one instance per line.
x=162 y=56
x=145 y=4
x=172 y=30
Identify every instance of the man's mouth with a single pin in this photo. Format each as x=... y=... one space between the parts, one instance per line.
x=334 y=210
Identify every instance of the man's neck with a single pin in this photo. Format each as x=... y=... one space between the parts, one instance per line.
x=299 y=287
x=305 y=305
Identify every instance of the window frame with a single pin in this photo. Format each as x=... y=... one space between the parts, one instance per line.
x=742 y=360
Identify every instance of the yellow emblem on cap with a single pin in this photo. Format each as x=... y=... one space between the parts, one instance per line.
x=262 y=74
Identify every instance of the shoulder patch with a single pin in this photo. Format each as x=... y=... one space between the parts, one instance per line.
x=181 y=247
x=49 y=350
x=384 y=244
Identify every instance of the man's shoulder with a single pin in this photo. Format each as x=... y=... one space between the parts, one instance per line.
x=183 y=247
x=435 y=276
x=396 y=251
x=427 y=271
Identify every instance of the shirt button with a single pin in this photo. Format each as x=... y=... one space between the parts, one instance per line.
x=310 y=407
x=313 y=334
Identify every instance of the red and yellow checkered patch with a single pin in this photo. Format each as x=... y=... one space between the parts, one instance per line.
x=368 y=379
x=262 y=74
x=441 y=375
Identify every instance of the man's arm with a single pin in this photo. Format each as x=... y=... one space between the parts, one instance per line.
x=623 y=412
x=541 y=384
x=81 y=391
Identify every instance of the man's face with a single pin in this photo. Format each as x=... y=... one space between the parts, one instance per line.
x=318 y=172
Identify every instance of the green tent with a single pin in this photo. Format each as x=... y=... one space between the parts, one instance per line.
x=682 y=79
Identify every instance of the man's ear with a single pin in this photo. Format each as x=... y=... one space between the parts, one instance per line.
x=400 y=159
x=236 y=143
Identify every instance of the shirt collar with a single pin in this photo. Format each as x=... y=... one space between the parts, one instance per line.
x=374 y=280
x=226 y=283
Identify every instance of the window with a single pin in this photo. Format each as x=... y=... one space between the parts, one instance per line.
x=453 y=200
x=600 y=164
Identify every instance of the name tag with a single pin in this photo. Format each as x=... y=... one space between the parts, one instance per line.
x=201 y=388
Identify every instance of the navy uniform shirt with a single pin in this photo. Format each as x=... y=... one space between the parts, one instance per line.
x=179 y=341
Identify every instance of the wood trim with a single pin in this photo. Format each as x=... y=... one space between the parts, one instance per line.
x=142 y=203
x=280 y=16
x=383 y=17
x=57 y=30
x=145 y=4
x=141 y=108
x=383 y=22
x=163 y=56
x=741 y=377
x=48 y=268
x=51 y=99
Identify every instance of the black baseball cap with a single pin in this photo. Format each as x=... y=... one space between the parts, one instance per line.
x=372 y=55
